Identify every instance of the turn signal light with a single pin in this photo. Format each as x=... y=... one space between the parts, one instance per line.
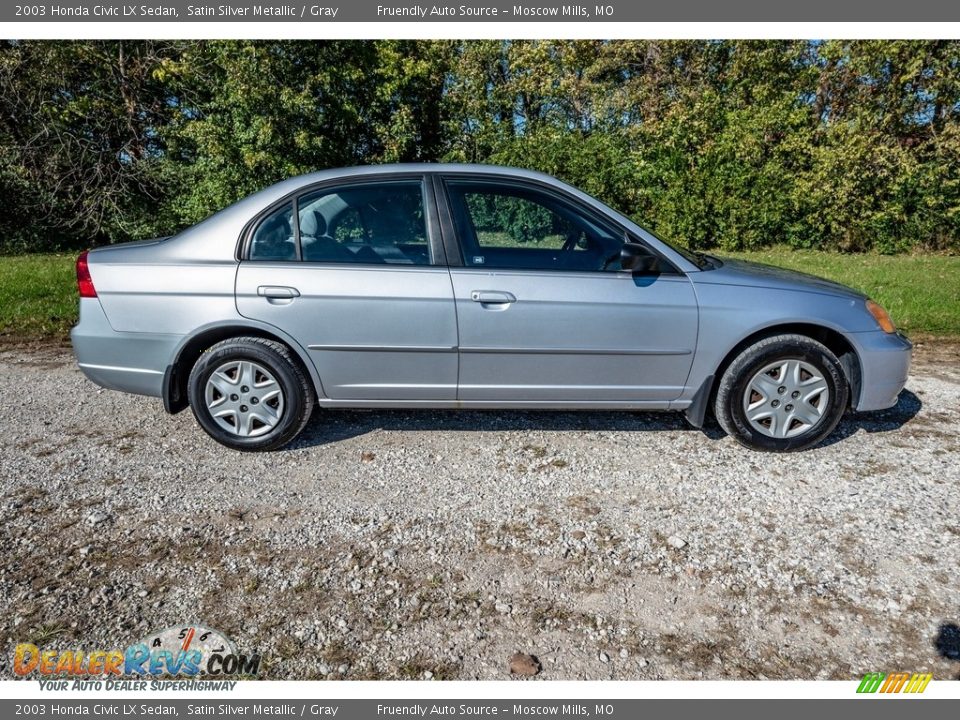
x=881 y=316
x=84 y=281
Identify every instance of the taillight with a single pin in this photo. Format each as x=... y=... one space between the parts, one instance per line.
x=84 y=281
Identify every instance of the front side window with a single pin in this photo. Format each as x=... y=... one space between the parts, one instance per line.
x=520 y=228
x=370 y=223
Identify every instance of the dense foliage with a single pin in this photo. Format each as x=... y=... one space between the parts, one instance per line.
x=730 y=144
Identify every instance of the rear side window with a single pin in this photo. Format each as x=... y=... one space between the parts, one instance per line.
x=274 y=238
x=369 y=223
x=377 y=224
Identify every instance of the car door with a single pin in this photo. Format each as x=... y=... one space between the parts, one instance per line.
x=546 y=315
x=355 y=272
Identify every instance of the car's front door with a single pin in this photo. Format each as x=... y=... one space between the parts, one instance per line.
x=546 y=314
x=355 y=273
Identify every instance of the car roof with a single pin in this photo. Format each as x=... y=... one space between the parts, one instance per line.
x=426 y=167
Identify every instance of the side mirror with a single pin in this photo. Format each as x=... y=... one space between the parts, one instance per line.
x=636 y=258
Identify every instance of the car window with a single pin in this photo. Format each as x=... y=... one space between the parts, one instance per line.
x=368 y=223
x=273 y=239
x=521 y=228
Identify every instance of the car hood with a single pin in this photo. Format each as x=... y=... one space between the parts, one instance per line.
x=751 y=274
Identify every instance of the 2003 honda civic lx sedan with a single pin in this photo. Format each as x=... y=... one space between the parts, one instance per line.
x=463 y=286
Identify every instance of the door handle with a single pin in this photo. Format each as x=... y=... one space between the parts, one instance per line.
x=492 y=297
x=278 y=292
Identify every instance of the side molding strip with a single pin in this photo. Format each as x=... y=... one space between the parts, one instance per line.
x=385 y=348
x=572 y=351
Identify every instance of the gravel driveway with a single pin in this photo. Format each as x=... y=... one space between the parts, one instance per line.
x=437 y=544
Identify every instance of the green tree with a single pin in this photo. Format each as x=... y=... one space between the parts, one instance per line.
x=852 y=145
x=264 y=111
x=80 y=141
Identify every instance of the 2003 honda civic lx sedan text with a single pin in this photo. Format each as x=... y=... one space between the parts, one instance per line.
x=462 y=286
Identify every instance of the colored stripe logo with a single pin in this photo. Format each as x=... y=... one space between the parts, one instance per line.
x=899 y=682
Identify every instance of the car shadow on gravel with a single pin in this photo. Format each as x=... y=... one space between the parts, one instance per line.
x=336 y=425
x=947 y=642
x=907 y=407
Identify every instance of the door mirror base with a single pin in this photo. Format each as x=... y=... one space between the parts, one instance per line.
x=636 y=258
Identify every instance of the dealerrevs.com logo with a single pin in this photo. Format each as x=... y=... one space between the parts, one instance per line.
x=898 y=682
x=180 y=651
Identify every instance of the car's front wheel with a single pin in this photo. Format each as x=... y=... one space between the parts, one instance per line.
x=250 y=393
x=784 y=393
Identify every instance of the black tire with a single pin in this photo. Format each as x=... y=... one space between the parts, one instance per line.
x=734 y=383
x=297 y=391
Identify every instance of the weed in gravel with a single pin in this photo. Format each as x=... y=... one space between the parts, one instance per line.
x=420 y=667
x=46 y=633
x=584 y=505
x=537 y=451
x=547 y=615
x=337 y=653
x=856 y=557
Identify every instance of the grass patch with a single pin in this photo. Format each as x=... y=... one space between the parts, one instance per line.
x=38 y=296
x=921 y=292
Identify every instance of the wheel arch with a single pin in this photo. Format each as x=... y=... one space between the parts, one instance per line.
x=190 y=349
x=833 y=339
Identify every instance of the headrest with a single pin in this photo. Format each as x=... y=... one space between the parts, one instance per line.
x=313 y=224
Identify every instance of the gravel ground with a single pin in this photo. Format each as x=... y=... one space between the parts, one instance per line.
x=438 y=544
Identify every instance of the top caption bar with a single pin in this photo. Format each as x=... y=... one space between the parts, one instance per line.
x=327 y=11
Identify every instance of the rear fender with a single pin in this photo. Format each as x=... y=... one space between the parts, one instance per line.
x=193 y=345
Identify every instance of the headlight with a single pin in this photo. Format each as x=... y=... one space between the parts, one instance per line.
x=881 y=316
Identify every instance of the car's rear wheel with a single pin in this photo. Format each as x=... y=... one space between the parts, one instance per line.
x=784 y=393
x=250 y=393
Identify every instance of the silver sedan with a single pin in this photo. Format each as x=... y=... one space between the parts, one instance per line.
x=464 y=286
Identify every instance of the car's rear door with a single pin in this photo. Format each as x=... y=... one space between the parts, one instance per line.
x=355 y=272
x=544 y=312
